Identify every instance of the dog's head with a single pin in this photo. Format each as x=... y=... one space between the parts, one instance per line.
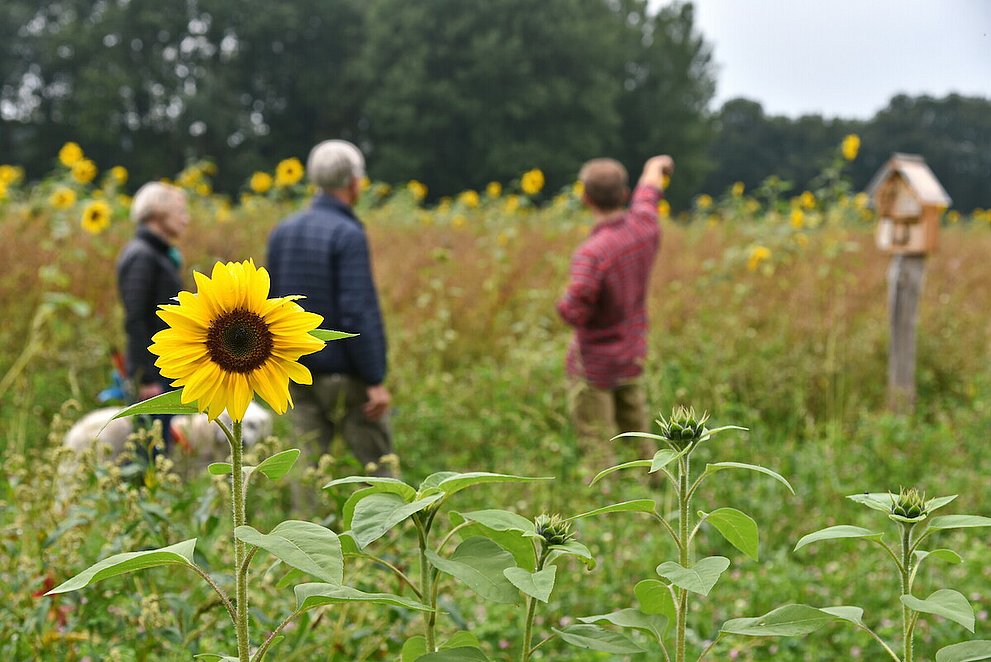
x=195 y=430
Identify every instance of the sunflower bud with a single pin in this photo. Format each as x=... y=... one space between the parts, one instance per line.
x=553 y=529
x=684 y=426
x=910 y=505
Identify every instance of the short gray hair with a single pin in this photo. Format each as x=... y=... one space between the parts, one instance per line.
x=333 y=163
x=154 y=199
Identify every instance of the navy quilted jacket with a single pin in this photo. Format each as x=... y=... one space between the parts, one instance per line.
x=322 y=253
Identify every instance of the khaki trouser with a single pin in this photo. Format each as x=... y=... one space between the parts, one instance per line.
x=600 y=414
x=317 y=414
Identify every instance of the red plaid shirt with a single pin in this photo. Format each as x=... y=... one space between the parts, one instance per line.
x=606 y=297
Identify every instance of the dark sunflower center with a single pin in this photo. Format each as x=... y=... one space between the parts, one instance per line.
x=239 y=341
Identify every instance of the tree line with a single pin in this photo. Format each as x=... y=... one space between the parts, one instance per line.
x=454 y=93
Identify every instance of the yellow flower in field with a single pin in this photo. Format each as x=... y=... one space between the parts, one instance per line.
x=578 y=189
x=70 y=154
x=953 y=217
x=10 y=174
x=751 y=206
x=84 y=171
x=124 y=200
x=119 y=175
x=807 y=200
x=665 y=181
x=493 y=189
x=366 y=183
x=850 y=146
x=261 y=183
x=512 y=204
x=797 y=218
x=801 y=239
x=458 y=221
x=96 y=217
x=664 y=209
x=229 y=341
x=223 y=214
x=288 y=172
x=737 y=189
x=189 y=177
x=210 y=168
x=204 y=189
x=3 y=190
x=860 y=200
x=417 y=189
x=704 y=201
x=532 y=181
x=63 y=198
x=469 y=198
x=758 y=254
x=381 y=189
x=503 y=239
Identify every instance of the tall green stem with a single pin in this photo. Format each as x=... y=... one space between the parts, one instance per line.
x=531 y=611
x=683 y=527
x=426 y=588
x=240 y=578
x=906 y=583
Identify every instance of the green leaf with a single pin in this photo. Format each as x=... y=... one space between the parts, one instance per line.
x=947 y=555
x=327 y=335
x=837 y=532
x=433 y=481
x=655 y=597
x=315 y=594
x=716 y=466
x=664 y=457
x=166 y=403
x=499 y=520
x=654 y=625
x=461 y=639
x=700 y=578
x=215 y=657
x=535 y=584
x=180 y=553
x=880 y=501
x=958 y=522
x=785 y=621
x=457 y=482
x=626 y=465
x=461 y=654
x=514 y=542
x=572 y=548
x=739 y=529
x=278 y=465
x=414 y=648
x=592 y=637
x=479 y=564
x=853 y=615
x=348 y=545
x=306 y=546
x=967 y=651
x=377 y=513
x=946 y=603
x=220 y=468
x=385 y=484
x=637 y=505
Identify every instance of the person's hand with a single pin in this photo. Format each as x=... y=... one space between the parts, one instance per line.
x=378 y=402
x=146 y=391
x=655 y=170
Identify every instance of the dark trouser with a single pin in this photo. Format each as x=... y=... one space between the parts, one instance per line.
x=600 y=414
x=317 y=413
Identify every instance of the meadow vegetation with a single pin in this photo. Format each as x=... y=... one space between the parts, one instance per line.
x=768 y=310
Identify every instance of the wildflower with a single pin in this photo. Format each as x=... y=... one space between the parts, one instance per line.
x=381 y=189
x=953 y=217
x=469 y=198
x=96 y=217
x=554 y=529
x=203 y=189
x=664 y=209
x=458 y=221
x=860 y=200
x=532 y=181
x=751 y=206
x=84 y=171
x=189 y=177
x=797 y=218
x=578 y=189
x=758 y=254
x=288 y=172
x=124 y=200
x=737 y=189
x=807 y=200
x=417 y=189
x=850 y=146
x=209 y=167
x=493 y=189
x=119 y=175
x=229 y=341
x=704 y=201
x=10 y=174
x=261 y=183
x=665 y=181
x=365 y=183
x=684 y=426
x=69 y=154
x=223 y=214
x=3 y=190
x=512 y=204
x=63 y=198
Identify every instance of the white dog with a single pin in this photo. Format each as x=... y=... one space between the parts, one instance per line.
x=198 y=442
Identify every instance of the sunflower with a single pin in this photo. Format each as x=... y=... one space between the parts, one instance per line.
x=84 y=171
x=229 y=341
x=260 y=182
x=62 y=198
x=532 y=181
x=96 y=217
x=69 y=154
x=850 y=146
x=288 y=172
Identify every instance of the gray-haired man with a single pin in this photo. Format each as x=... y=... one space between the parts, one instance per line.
x=322 y=252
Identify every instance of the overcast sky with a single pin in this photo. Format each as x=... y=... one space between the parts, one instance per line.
x=846 y=58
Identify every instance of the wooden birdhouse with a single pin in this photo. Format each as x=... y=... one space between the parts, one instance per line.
x=909 y=202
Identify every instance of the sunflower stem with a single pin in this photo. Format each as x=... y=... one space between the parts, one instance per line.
x=240 y=582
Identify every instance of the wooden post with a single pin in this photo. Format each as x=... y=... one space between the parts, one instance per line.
x=904 y=287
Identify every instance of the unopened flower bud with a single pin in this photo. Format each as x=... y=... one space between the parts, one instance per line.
x=910 y=505
x=553 y=529
x=684 y=426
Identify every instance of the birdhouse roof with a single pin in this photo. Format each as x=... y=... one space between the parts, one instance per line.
x=917 y=174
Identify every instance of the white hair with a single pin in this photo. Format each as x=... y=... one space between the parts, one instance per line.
x=154 y=199
x=333 y=163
